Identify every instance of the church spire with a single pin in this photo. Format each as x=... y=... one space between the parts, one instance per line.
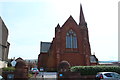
x=82 y=18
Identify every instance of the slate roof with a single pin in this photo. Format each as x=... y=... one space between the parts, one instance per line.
x=93 y=59
x=44 y=47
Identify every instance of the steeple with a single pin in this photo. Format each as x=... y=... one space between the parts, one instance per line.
x=57 y=28
x=82 y=18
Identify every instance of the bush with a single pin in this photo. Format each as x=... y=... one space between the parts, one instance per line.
x=9 y=69
x=30 y=75
x=93 y=70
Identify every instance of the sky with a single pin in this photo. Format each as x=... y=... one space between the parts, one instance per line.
x=31 y=21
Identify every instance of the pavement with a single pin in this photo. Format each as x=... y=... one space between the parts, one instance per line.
x=45 y=76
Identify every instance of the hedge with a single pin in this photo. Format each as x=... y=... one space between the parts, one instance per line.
x=9 y=69
x=93 y=70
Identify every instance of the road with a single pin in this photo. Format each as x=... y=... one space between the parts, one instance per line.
x=45 y=76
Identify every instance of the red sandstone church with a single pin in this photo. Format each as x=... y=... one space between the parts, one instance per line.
x=71 y=44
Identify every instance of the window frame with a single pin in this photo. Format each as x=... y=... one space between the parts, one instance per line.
x=71 y=39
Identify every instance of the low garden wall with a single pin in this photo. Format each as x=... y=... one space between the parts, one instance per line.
x=86 y=72
x=74 y=76
x=8 y=72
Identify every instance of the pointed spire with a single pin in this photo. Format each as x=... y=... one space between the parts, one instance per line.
x=82 y=18
x=57 y=28
x=58 y=25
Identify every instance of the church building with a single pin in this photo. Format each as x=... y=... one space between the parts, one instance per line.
x=71 y=44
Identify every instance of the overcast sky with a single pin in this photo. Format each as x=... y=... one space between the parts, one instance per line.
x=32 y=21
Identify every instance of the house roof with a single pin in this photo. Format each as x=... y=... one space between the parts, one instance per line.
x=93 y=59
x=44 y=47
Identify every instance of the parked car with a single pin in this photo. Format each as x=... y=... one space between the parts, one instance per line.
x=34 y=70
x=1 y=78
x=107 y=76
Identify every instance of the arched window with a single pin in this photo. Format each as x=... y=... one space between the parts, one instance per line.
x=71 y=39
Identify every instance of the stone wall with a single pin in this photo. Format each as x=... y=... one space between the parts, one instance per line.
x=4 y=45
x=74 y=76
x=0 y=39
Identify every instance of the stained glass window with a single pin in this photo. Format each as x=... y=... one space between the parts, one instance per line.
x=71 y=39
